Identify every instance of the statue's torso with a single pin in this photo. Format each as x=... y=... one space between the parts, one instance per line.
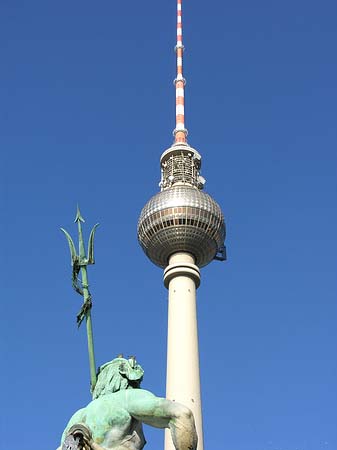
x=111 y=425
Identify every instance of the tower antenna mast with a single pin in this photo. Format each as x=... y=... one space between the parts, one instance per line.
x=180 y=132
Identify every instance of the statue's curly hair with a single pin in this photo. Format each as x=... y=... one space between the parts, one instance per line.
x=118 y=374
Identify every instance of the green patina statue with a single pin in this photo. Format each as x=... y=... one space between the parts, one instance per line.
x=114 y=418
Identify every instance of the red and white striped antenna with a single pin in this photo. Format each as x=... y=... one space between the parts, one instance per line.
x=180 y=131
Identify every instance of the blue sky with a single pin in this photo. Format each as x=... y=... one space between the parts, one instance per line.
x=87 y=107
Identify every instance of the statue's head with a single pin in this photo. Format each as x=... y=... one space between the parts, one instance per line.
x=118 y=374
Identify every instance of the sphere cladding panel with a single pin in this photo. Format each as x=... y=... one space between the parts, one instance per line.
x=181 y=219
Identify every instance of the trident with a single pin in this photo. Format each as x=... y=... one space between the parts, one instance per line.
x=79 y=264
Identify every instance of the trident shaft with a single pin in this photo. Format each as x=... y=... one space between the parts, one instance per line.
x=79 y=264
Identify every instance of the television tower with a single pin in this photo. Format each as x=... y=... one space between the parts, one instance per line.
x=182 y=229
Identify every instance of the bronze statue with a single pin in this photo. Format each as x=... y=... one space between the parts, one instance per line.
x=113 y=419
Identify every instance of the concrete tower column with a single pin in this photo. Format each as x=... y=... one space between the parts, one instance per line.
x=182 y=278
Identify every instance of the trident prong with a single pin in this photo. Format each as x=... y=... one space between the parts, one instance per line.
x=79 y=264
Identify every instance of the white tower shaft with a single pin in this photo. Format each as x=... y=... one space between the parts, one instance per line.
x=181 y=229
x=182 y=277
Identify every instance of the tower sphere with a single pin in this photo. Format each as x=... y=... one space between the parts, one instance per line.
x=181 y=218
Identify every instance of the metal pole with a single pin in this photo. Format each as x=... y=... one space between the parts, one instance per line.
x=91 y=352
x=80 y=263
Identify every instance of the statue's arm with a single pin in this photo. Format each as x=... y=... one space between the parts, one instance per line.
x=162 y=413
